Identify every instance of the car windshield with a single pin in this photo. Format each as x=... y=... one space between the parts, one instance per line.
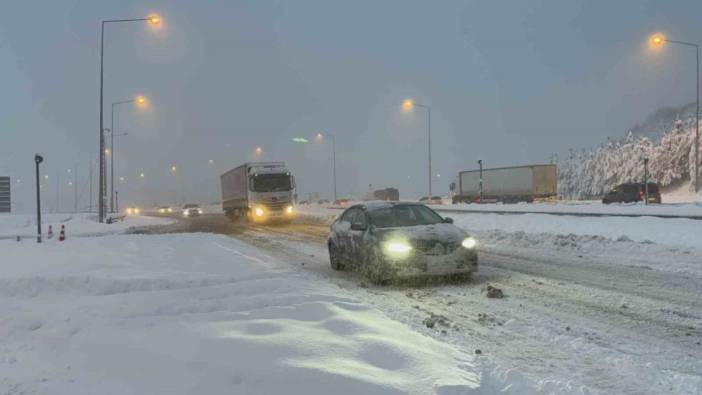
x=403 y=215
x=271 y=183
x=190 y=206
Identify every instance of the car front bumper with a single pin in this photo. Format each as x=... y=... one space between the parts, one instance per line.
x=462 y=260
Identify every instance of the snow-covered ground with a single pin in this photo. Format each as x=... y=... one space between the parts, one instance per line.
x=597 y=304
x=584 y=207
x=80 y=224
x=201 y=313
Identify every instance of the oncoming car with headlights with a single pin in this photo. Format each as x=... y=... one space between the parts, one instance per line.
x=191 y=210
x=391 y=240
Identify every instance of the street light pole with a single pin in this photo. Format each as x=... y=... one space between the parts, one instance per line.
x=408 y=105
x=102 y=187
x=37 y=160
x=334 y=162
x=112 y=152
x=657 y=40
x=480 y=163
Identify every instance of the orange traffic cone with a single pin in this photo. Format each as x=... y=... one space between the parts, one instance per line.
x=62 y=235
x=51 y=233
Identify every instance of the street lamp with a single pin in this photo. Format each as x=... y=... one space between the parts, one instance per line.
x=259 y=151
x=407 y=106
x=657 y=40
x=140 y=101
x=153 y=20
x=320 y=137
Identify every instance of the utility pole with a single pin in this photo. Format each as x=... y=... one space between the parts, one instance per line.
x=480 y=163
x=37 y=160
x=645 y=161
x=75 y=188
x=117 y=201
x=58 y=201
x=90 y=182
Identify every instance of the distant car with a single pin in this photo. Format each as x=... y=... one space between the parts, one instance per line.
x=191 y=210
x=165 y=210
x=633 y=192
x=132 y=210
x=342 y=202
x=304 y=203
x=322 y=201
x=391 y=240
x=432 y=200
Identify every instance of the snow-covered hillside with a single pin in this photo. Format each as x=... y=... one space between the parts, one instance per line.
x=591 y=173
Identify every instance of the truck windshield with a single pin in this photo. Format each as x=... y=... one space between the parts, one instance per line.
x=399 y=216
x=271 y=183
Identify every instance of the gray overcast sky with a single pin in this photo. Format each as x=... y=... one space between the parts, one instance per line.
x=508 y=81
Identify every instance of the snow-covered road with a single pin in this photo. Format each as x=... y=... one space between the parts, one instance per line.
x=582 y=314
x=200 y=313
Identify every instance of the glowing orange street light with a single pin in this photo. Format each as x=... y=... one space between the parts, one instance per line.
x=657 y=40
x=140 y=100
x=155 y=19
x=259 y=151
x=408 y=105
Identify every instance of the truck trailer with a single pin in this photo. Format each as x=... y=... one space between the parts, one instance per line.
x=260 y=192
x=508 y=184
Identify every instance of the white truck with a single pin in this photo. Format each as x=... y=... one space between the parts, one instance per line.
x=508 y=184
x=260 y=192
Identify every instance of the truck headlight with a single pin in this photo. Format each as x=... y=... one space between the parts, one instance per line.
x=170 y=210
x=469 y=243
x=258 y=211
x=397 y=248
x=289 y=209
x=136 y=211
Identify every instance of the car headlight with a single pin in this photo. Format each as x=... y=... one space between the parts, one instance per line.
x=258 y=211
x=185 y=213
x=469 y=243
x=289 y=209
x=397 y=248
x=170 y=210
x=129 y=211
x=199 y=211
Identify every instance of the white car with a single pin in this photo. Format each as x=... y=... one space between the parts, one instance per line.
x=191 y=210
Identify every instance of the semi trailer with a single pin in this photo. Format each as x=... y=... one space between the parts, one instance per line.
x=507 y=184
x=259 y=191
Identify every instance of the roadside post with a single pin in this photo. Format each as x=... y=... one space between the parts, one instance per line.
x=480 y=163
x=645 y=161
x=37 y=160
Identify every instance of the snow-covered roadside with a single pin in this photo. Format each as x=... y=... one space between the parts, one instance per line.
x=538 y=228
x=80 y=224
x=200 y=313
x=582 y=207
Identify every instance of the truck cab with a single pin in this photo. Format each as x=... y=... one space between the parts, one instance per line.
x=270 y=192
x=260 y=192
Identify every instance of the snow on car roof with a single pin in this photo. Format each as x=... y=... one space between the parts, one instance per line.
x=378 y=204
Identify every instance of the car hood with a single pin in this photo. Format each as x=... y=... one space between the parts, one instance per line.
x=447 y=233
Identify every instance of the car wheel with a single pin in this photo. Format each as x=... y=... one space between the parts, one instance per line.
x=375 y=269
x=334 y=258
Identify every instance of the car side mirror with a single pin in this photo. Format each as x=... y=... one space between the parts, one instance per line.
x=448 y=220
x=358 y=227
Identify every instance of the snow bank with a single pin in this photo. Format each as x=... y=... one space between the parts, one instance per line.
x=676 y=232
x=81 y=224
x=200 y=313
x=582 y=207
